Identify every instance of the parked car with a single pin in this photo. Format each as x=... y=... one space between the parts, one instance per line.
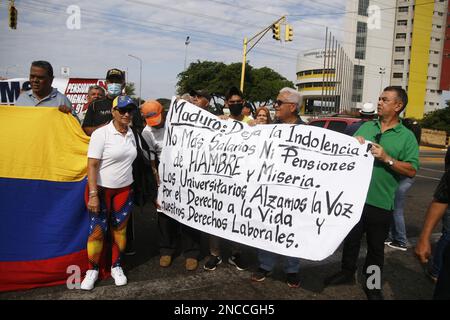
x=338 y=124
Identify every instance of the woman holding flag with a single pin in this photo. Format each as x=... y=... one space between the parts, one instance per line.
x=111 y=153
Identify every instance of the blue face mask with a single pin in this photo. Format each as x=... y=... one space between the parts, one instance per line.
x=114 y=89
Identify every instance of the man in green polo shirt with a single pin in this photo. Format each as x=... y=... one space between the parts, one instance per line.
x=396 y=154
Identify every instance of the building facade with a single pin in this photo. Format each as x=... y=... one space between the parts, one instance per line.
x=445 y=69
x=369 y=39
x=314 y=81
x=398 y=43
x=325 y=78
x=418 y=52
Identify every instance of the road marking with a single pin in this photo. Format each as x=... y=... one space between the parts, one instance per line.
x=433 y=170
x=426 y=177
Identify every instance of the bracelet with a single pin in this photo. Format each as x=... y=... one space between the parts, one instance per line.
x=93 y=196
x=93 y=192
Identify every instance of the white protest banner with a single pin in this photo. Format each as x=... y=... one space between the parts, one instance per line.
x=295 y=190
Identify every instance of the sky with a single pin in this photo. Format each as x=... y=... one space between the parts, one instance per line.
x=155 y=31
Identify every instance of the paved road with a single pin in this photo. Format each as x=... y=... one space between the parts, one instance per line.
x=404 y=278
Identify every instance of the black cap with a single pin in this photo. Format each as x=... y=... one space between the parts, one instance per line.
x=201 y=93
x=233 y=91
x=115 y=74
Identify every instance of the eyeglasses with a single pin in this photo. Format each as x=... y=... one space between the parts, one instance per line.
x=378 y=137
x=279 y=103
x=123 y=111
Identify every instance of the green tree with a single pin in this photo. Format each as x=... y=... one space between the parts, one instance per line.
x=164 y=102
x=130 y=89
x=437 y=119
x=199 y=75
x=260 y=85
x=266 y=83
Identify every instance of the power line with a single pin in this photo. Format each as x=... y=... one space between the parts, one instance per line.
x=104 y=17
x=381 y=9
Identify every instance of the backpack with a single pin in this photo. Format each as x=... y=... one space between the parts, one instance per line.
x=144 y=185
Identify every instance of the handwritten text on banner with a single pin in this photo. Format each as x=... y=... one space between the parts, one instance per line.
x=296 y=190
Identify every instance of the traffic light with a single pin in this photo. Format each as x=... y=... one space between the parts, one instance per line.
x=12 y=17
x=276 y=31
x=289 y=33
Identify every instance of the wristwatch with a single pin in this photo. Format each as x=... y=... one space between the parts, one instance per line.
x=390 y=162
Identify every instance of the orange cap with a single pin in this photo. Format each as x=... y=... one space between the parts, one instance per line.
x=151 y=111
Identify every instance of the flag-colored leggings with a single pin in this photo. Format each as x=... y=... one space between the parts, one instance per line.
x=115 y=209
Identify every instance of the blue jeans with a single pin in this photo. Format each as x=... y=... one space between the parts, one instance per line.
x=267 y=261
x=444 y=240
x=398 y=229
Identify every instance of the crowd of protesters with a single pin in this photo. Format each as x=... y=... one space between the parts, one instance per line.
x=112 y=120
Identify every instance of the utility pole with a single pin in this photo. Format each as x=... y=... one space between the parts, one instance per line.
x=186 y=43
x=275 y=27
x=140 y=77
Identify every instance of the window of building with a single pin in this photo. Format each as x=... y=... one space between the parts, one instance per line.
x=399 y=49
x=361 y=39
x=358 y=83
x=402 y=22
x=435 y=65
x=397 y=75
x=399 y=62
x=431 y=103
x=400 y=36
x=403 y=9
x=362 y=7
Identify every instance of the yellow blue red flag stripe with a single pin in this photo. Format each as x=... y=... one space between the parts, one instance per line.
x=44 y=221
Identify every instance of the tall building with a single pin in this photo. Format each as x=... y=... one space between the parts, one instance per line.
x=399 y=43
x=445 y=69
x=418 y=51
x=369 y=41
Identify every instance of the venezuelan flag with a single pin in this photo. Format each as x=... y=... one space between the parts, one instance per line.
x=43 y=219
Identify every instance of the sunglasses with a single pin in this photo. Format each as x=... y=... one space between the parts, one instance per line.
x=123 y=111
x=280 y=103
x=377 y=138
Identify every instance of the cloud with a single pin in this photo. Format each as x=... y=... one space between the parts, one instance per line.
x=155 y=31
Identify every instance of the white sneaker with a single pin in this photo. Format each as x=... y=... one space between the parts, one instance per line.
x=119 y=277
x=89 y=280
